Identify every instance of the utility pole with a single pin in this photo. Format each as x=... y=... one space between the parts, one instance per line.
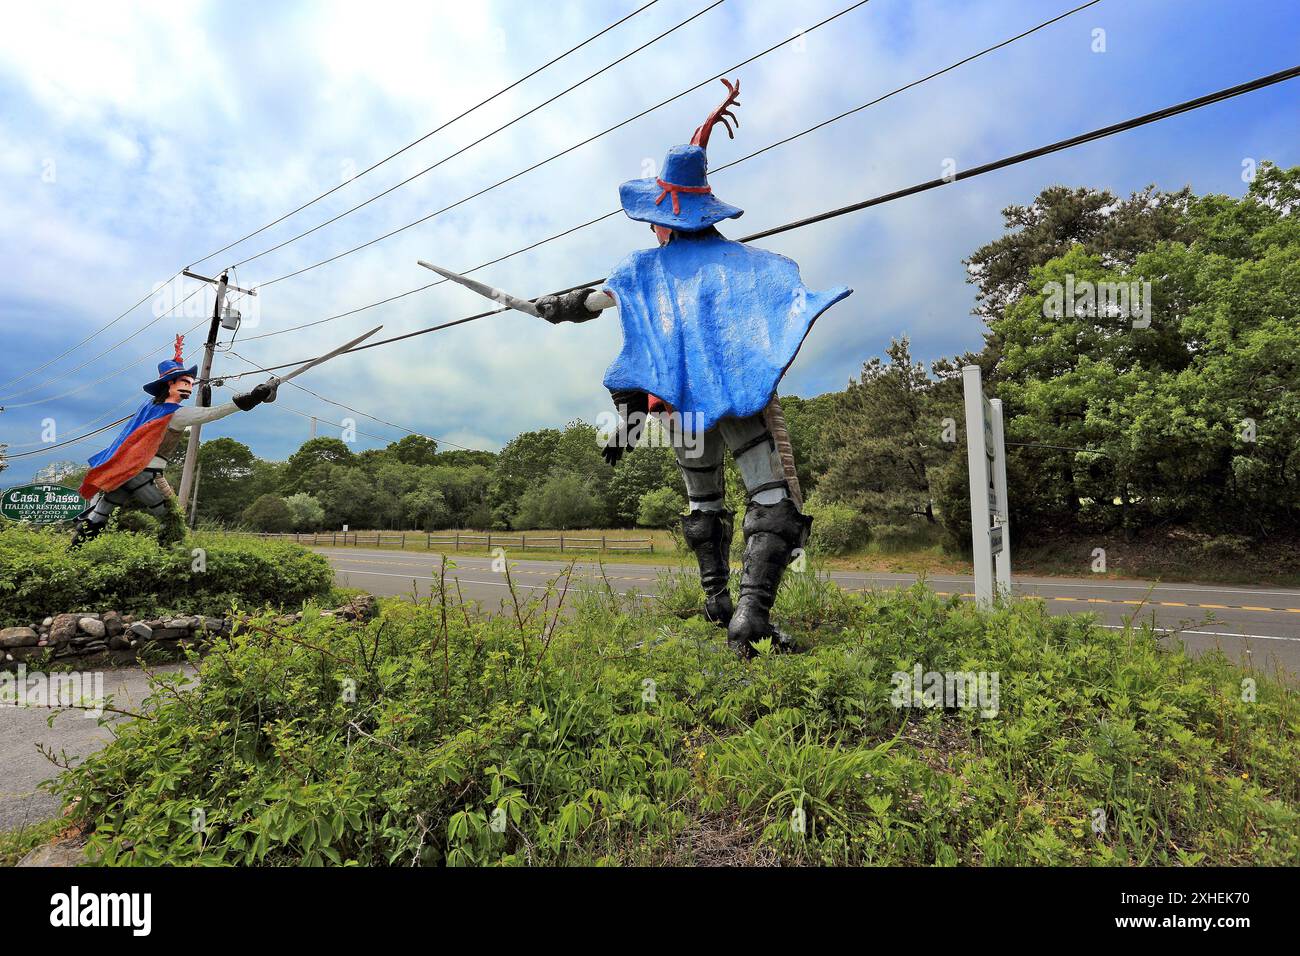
x=204 y=397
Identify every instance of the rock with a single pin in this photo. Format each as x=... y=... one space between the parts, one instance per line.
x=47 y=622
x=95 y=647
x=63 y=627
x=63 y=853
x=118 y=642
x=326 y=613
x=170 y=633
x=113 y=623
x=141 y=630
x=18 y=637
x=179 y=622
x=92 y=626
x=287 y=620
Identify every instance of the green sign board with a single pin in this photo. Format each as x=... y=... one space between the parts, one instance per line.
x=41 y=504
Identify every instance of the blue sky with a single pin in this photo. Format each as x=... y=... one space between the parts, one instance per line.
x=135 y=139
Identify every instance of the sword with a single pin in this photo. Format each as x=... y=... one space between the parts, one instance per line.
x=327 y=356
x=595 y=302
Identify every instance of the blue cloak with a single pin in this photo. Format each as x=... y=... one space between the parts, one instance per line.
x=711 y=325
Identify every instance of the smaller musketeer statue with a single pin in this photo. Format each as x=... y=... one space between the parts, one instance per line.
x=709 y=328
x=131 y=469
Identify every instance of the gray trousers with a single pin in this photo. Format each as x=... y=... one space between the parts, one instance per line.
x=141 y=488
x=756 y=456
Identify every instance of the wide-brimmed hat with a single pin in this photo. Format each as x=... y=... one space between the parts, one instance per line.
x=681 y=198
x=170 y=370
x=693 y=205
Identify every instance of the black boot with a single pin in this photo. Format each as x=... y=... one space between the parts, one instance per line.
x=85 y=531
x=708 y=534
x=772 y=532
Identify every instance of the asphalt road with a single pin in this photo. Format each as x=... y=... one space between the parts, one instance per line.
x=74 y=734
x=1255 y=626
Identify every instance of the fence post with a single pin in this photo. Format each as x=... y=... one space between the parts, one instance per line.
x=428 y=541
x=523 y=541
x=561 y=542
x=403 y=540
x=489 y=540
x=457 y=540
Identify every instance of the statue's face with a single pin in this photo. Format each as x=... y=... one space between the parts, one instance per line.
x=180 y=389
x=662 y=233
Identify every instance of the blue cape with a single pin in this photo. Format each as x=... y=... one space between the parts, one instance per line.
x=711 y=325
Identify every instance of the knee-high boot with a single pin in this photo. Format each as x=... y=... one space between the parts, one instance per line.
x=708 y=534
x=772 y=532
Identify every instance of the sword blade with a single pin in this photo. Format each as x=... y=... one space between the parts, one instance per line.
x=329 y=355
x=482 y=288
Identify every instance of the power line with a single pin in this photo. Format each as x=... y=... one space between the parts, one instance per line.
x=356 y=411
x=70 y=441
x=464 y=149
x=334 y=189
x=1105 y=131
x=113 y=374
x=112 y=411
x=590 y=139
x=437 y=129
x=95 y=358
x=733 y=163
x=69 y=351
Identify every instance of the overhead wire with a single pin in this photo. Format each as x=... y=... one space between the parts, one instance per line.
x=328 y=192
x=722 y=168
x=1082 y=138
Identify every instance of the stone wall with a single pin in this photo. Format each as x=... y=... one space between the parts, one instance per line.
x=98 y=637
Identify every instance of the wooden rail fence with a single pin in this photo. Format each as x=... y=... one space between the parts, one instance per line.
x=466 y=541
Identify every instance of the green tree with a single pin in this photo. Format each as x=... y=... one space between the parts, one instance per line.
x=660 y=508
x=888 y=437
x=413 y=450
x=311 y=454
x=268 y=513
x=306 y=512
x=561 y=502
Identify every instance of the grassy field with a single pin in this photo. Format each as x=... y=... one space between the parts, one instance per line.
x=623 y=732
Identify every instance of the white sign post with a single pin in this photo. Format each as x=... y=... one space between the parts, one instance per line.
x=986 y=456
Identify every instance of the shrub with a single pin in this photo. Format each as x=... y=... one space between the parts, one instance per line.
x=307 y=513
x=621 y=732
x=660 y=508
x=133 y=574
x=269 y=513
x=836 y=528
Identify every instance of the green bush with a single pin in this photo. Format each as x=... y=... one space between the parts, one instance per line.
x=836 y=528
x=660 y=508
x=623 y=733
x=132 y=574
x=269 y=513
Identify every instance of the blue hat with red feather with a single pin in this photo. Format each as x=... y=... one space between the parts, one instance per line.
x=171 y=370
x=685 y=179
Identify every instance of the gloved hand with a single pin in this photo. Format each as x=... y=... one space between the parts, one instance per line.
x=612 y=452
x=567 y=307
x=265 y=392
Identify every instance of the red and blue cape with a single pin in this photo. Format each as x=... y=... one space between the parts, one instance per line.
x=132 y=450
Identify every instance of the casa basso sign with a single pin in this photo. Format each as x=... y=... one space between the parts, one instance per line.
x=41 y=504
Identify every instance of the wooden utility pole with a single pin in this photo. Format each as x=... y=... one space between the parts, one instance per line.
x=204 y=397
